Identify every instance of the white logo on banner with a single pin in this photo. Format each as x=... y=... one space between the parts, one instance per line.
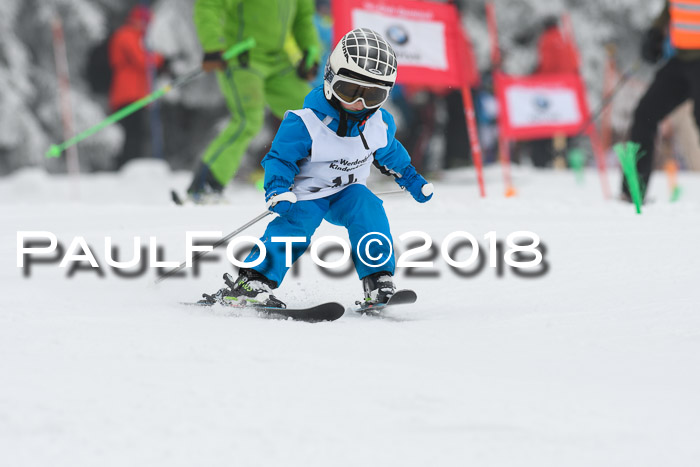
x=415 y=42
x=538 y=106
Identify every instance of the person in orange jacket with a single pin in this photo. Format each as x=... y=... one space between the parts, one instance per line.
x=677 y=81
x=130 y=62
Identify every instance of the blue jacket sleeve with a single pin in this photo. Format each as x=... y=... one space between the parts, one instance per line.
x=291 y=144
x=393 y=159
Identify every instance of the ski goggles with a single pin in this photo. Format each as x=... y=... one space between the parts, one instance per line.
x=350 y=91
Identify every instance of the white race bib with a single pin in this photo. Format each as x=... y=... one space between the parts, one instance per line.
x=336 y=162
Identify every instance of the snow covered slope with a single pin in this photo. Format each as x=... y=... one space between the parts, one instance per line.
x=593 y=363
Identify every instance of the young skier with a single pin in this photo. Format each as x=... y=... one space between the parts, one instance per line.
x=318 y=165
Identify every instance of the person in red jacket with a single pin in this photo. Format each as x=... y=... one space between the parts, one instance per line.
x=130 y=62
x=556 y=54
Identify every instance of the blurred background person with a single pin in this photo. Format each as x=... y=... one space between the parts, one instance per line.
x=130 y=61
x=685 y=132
x=555 y=56
x=323 y=20
x=555 y=52
x=263 y=76
x=250 y=168
x=676 y=82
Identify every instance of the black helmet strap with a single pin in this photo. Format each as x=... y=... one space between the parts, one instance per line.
x=342 y=130
x=343 y=125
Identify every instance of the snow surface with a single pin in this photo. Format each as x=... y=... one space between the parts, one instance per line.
x=596 y=363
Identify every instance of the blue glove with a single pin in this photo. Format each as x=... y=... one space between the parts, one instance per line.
x=419 y=188
x=279 y=200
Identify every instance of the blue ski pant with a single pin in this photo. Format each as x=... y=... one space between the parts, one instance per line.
x=356 y=208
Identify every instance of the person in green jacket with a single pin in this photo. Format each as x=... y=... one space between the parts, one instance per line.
x=263 y=76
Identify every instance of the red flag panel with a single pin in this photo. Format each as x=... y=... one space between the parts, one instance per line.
x=426 y=36
x=540 y=106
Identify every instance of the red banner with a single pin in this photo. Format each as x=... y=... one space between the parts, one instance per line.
x=426 y=37
x=541 y=106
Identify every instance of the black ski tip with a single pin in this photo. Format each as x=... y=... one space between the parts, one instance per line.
x=403 y=297
x=330 y=311
x=334 y=311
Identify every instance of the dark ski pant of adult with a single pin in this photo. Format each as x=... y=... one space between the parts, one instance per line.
x=136 y=137
x=676 y=82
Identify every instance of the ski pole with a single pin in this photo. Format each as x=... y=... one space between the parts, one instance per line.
x=56 y=149
x=609 y=98
x=199 y=254
x=389 y=193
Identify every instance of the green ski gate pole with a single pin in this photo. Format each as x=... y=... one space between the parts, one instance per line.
x=56 y=149
x=629 y=154
x=577 y=161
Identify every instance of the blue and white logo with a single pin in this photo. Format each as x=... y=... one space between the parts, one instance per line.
x=541 y=102
x=397 y=34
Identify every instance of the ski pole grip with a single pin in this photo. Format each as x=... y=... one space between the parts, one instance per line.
x=239 y=48
x=311 y=57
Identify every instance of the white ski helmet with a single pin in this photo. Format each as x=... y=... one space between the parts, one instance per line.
x=363 y=56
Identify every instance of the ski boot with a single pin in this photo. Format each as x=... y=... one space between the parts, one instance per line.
x=205 y=188
x=250 y=289
x=379 y=287
x=206 y=198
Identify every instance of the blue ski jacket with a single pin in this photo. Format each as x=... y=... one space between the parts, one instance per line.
x=293 y=143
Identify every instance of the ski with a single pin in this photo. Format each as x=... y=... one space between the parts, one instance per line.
x=176 y=198
x=329 y=311
x=210 y=199
x=400 y=297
